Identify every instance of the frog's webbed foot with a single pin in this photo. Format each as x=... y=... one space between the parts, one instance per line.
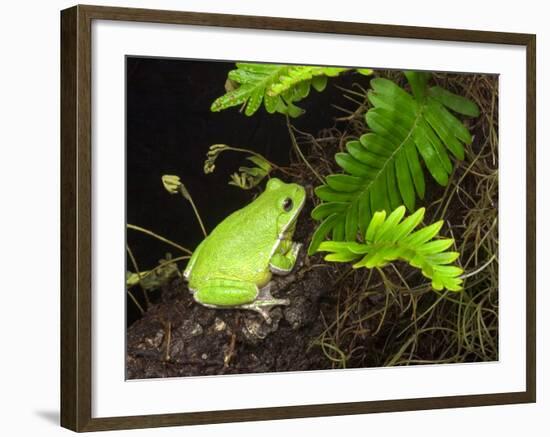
x=283 y=264
x=264 y=303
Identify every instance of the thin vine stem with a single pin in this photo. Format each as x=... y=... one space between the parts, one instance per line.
x=257 y=155
x=134 y=263
x=187 y=195
x=159 y=237
x=142 y=311
x=299 y=151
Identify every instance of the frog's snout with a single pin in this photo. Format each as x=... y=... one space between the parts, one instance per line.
x=299 y=195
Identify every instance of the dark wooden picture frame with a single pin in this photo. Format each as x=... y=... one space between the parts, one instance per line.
x=76 y=217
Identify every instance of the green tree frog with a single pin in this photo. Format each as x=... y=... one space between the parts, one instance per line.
x=233 y=266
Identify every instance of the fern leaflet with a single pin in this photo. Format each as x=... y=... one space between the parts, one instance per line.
x=392 y=238
x=383 y=168
x=278 y=86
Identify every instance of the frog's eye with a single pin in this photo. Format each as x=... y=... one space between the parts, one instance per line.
x=287 y=204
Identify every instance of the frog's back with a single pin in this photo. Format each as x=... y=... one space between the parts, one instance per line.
x=240 y=247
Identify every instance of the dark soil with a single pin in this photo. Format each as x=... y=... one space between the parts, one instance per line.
x=178 y=337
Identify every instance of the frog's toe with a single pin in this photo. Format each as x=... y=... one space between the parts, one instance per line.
x=264 y=304
x=265 y=298
x=262 y=310
x=265 y=314
x=296 y=247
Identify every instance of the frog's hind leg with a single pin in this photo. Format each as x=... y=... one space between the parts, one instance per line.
x=219 y=293
x=264 y=302
x=229 y=294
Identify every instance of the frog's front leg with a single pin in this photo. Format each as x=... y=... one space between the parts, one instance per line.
x=284 y=259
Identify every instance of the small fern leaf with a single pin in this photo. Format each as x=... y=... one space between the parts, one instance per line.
x=391 y=238
x=277 y=86
x=385 y=167
x=322 y=231
x=452 y=101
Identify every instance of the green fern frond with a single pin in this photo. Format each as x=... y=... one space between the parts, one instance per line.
x=246 y=178
x=249 y=177
x=391 y=238
x=278 y=86
x=384 y=168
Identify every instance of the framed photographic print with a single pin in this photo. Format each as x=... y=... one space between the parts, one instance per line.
x=267 y=218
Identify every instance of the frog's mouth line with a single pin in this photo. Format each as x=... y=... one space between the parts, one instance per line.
x=291 y=225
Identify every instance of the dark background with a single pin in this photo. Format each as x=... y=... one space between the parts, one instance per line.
x=169 y=130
